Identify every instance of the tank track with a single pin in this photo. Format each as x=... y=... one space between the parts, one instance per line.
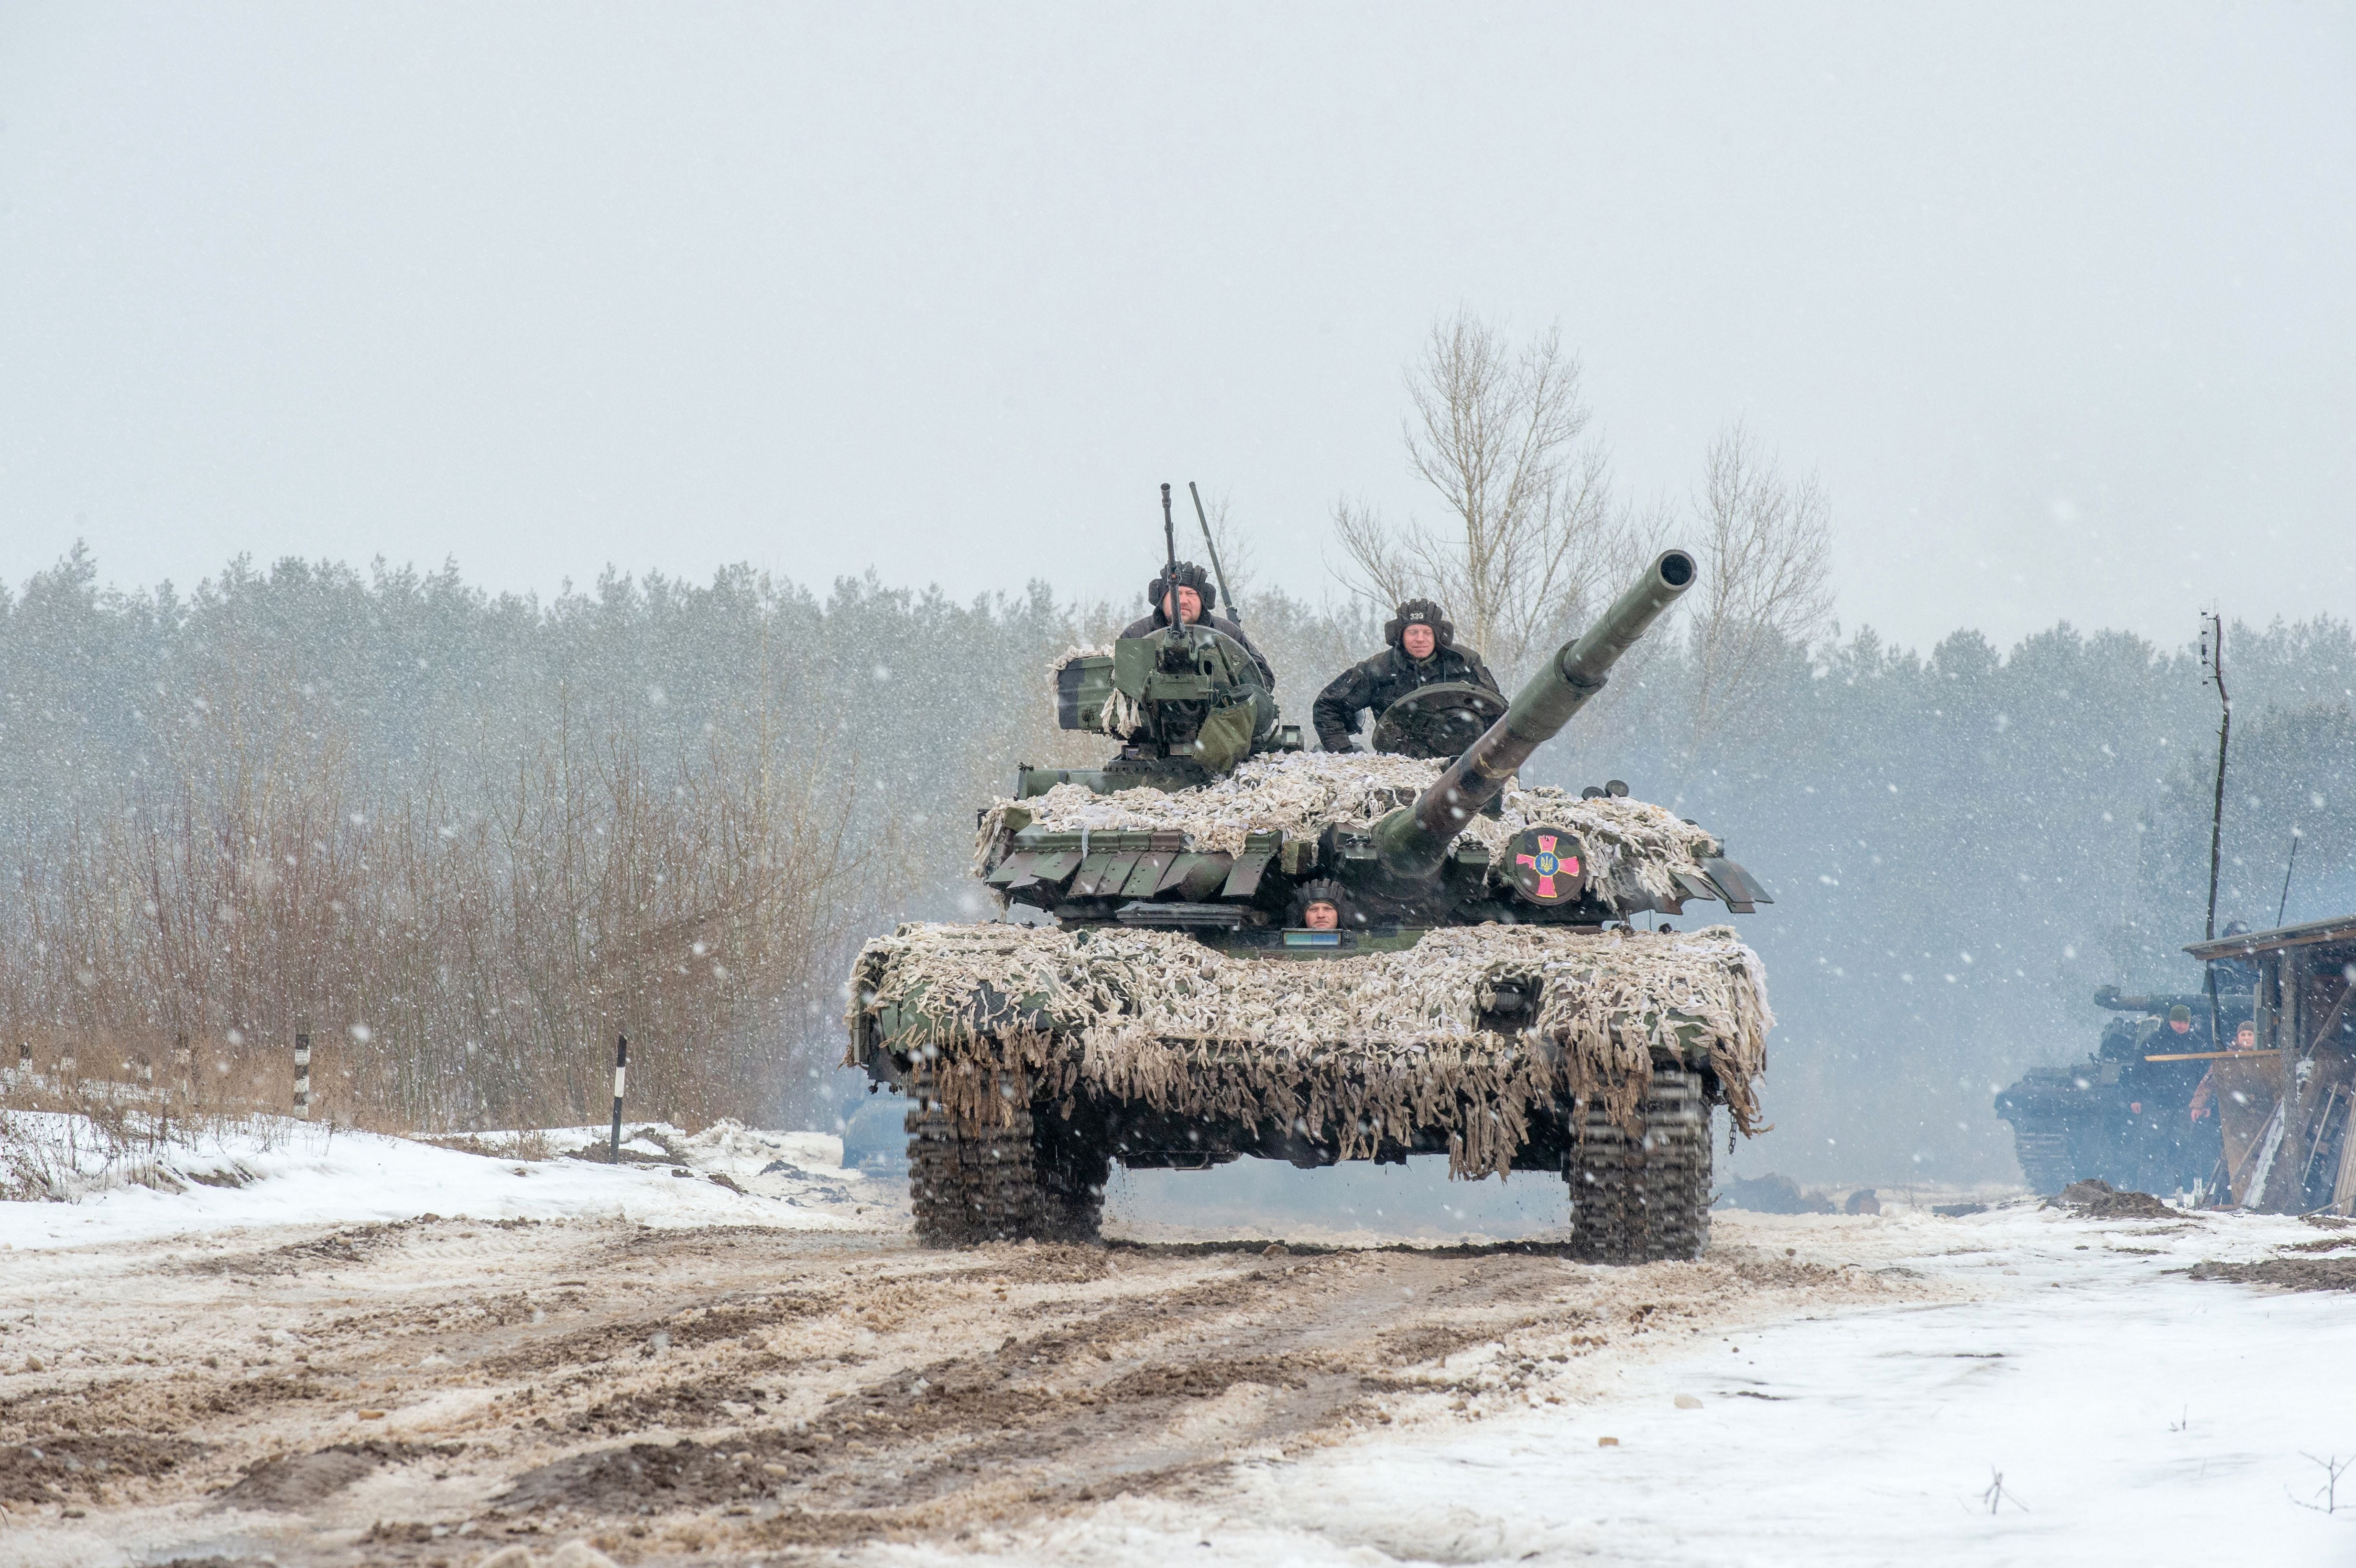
x=1070 y=1172
x=2046 y=1163
x=971 y=1183
x=1643 y=1197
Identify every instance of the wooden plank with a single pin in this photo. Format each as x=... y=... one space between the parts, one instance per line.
x=2331 y=1018
x=2343 y=1190
x=2213 y=1056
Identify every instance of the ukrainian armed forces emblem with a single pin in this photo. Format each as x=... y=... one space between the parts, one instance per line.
x=1545 y=865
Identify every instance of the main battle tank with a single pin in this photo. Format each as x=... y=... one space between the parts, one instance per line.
x=2124 y=1115
x=1489 y=991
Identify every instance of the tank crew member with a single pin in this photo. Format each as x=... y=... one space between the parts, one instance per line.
x=1196 y=599
x=1321 y=905
x=1423 y=652
x=2179 y=1022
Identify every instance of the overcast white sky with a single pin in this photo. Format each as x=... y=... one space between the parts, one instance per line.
x=2060 y=301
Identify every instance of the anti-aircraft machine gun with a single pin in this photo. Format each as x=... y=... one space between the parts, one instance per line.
x=1491 y=993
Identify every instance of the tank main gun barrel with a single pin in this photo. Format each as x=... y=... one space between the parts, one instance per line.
x=2153 y=1002
x=1413 y=842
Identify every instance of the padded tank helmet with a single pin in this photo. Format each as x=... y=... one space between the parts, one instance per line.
x=1189 y=575
x=1321 y=889
x=1421 y=613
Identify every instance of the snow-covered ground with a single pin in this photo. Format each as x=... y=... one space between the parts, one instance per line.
x=274 y=1171
x=2133 y=1413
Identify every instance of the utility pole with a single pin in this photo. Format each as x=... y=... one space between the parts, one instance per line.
x=2212 y=656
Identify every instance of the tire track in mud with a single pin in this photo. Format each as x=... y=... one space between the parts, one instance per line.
x=677 y=1392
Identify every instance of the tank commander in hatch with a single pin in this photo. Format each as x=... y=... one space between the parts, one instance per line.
x=1196 y=597
x=1423 y=652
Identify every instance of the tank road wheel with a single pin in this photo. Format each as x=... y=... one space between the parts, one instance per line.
x=971 y=1183
x=1643 y=1197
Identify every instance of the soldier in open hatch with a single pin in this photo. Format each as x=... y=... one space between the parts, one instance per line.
x=1423 y=652
x=1196 y=599
x=1321 y=905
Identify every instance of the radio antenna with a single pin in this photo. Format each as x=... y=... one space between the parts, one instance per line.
x=1234 y=611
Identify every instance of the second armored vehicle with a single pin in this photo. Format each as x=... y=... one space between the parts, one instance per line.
x=1315 y=956
x=2125 y=1113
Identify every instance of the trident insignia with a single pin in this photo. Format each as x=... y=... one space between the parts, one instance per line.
x=1547 y=863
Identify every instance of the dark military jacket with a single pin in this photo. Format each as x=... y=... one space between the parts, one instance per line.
x=1147 y=626
x=1376 y=683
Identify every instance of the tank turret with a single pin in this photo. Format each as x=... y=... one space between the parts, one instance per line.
x=1411 y=845
x=1205 y=825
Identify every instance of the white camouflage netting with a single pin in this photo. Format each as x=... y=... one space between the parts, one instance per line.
x=1631 y=845
x=1356 y=1047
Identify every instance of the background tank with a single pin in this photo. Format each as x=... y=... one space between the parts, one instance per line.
x=2118 y=1116
x=1489 y=994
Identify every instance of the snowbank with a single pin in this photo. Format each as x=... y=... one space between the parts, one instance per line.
x=274 y=1171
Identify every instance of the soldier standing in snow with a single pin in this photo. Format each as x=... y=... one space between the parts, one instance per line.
x=1195 y=598
x=1423 y=652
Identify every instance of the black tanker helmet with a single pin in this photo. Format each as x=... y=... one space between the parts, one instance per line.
x=1189 y=575
x=1324 y=889
x=1422 y=612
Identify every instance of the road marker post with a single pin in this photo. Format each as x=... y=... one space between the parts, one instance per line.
x=621 y=1066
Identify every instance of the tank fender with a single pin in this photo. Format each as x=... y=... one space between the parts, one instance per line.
x=988 y=1011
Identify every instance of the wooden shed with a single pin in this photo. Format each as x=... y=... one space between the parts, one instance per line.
x=2284 y=1107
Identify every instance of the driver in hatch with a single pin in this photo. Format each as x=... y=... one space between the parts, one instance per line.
x=1423 y=652
x=1322 y=905
x=1195 y=598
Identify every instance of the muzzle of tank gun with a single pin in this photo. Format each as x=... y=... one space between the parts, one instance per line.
x=1412 y=843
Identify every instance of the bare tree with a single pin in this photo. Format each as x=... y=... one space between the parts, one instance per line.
x=1532 y=531
x=1766 y=565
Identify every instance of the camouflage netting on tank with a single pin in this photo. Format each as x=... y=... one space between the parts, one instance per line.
x=1631 y=845
x=1355 y=1049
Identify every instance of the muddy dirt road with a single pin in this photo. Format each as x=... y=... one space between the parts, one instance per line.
x=425 y=1391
